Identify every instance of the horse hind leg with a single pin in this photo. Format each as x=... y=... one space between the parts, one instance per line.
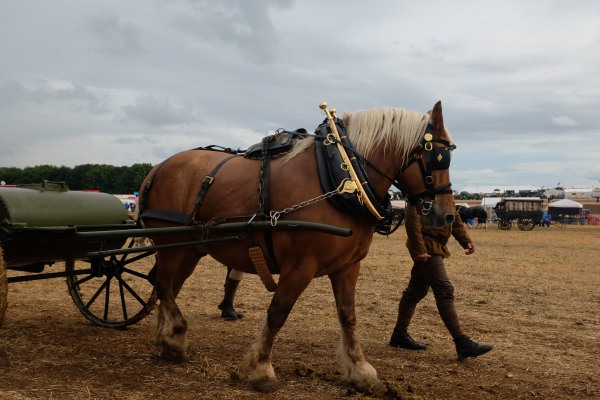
x=353 y=362
x=171 y=328
x=173 y=266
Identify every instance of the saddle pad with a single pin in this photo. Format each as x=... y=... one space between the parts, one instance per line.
x=277 y=145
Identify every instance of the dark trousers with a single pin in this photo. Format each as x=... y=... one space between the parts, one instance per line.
x=424 y=275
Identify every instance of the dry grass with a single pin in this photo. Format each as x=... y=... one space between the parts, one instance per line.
x=534 y=295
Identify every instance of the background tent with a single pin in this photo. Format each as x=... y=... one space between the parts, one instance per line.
x=564 y=207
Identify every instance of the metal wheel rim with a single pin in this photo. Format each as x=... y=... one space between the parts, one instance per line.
x=525 y=224
x=110 y=298
x=505 y=224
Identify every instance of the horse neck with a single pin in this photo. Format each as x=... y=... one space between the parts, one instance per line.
x=385 y=168
x=386 y=150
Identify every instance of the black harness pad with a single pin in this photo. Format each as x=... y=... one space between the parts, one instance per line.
x=331 y=175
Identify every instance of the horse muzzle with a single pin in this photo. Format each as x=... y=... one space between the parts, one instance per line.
x=438 y=216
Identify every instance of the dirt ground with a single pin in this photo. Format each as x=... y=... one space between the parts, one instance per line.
x=534 y=295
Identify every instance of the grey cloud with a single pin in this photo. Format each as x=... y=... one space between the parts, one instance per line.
x=244 y=24
x=156 y=111
x=115 y=37
x=139 y=139
x=11 y=92
x=76 y=96
x=564 y=120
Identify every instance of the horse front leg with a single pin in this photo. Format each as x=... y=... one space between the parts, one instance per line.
x=257 y=361
x=354 y=364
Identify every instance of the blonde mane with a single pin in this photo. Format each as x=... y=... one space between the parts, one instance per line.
x=398 y=129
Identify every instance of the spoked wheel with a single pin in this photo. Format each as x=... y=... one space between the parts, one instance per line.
x=3 y=288
x=525 y=224
x=505 y=224
x=113 y=292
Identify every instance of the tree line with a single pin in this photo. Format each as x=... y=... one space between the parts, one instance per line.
x=103 y=177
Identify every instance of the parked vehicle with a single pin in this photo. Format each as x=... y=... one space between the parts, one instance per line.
x=527 y=212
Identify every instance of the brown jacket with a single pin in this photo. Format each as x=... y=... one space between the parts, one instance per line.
x=432 y=240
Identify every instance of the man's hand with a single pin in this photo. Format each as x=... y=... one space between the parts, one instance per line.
x=470 y=249
x=422 y=257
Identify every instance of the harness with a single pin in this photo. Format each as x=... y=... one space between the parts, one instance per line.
x=346 y=172
x=271 y=147
x=342 y=175
x=341 y=169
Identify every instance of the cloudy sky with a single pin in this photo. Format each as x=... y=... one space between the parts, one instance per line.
x=123 y=82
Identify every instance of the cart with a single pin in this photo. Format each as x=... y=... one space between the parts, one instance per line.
x=527 y=213
x=107 y=274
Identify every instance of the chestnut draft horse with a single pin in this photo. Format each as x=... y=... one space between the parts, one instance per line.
x=391 y=144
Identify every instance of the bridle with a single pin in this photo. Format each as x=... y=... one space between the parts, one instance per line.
x=436 y=159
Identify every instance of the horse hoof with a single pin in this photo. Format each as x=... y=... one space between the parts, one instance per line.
x=267 y=385
x=229 y=313
x=173 y=356
x=377 y=390
x=232 y=316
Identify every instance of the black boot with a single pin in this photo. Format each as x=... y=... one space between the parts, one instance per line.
x=402 y=340
x=465 y=347
x=226 y=306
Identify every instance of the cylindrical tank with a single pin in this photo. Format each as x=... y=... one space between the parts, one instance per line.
x=54 y=205
x=35 y=222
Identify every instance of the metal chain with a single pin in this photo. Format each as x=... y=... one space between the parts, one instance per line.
x=276 y=214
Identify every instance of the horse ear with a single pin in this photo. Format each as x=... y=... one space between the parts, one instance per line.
x=347 y=117
x=437 y=119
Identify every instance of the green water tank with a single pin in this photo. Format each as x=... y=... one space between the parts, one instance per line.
x=54 y=205
x=37 y=223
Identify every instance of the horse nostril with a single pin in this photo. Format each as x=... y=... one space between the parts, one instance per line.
x=450 y=218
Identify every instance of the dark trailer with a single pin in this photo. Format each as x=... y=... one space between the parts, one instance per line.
x=527 y=212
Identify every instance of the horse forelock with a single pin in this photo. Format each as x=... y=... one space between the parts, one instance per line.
x=398 y=129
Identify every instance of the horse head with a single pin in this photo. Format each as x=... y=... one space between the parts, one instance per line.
x=416 y=152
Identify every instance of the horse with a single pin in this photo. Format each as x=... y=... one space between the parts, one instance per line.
x=477 y=212
x=391 y=144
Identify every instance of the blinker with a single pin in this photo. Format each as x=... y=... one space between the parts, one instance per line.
x=441 y=158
